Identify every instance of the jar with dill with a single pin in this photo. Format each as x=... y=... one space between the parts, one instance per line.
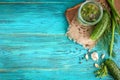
x=90 y=13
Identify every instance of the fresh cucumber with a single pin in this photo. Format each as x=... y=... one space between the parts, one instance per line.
x=101 y=26
x=108 y=66
x=113 y=69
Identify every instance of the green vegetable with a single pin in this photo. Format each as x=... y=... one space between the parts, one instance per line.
x=102 y=72
x=108 y=65
x=115 y=25
x=113 y=9
x=101 y=26
x=113 y=69
x=112 y=40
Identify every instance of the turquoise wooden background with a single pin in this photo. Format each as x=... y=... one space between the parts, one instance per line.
x=33 y=45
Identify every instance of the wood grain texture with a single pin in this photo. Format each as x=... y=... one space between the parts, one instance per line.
x=41 y=1
x=33 y=45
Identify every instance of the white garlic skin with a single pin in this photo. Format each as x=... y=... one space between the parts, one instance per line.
x=94 y=56
x=103 y=56
x=96 y=65
x=86 y=57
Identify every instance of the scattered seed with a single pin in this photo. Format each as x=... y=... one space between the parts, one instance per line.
x=76 y=48
x=82 y=57
x=80 y=62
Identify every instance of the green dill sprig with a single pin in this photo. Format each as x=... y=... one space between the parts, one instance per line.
x=102 y=72
x=115 y=24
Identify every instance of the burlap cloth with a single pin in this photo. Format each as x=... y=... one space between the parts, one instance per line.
x=79 y=33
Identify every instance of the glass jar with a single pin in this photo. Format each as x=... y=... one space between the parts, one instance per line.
x=90 y=13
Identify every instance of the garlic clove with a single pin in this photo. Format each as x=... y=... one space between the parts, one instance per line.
x=96 y=65
x=103 y=56
x=86 y=56
x=94 y=56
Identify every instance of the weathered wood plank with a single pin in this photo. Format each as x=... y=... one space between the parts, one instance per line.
x=24 y=54
x=33 y=45
x=43 y=55
x=41 y=1
x=51 y=75
x=35 y=18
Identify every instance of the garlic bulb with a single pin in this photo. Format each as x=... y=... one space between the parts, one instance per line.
x=94 y=56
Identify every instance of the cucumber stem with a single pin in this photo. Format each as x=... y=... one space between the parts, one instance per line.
x=112 y=40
